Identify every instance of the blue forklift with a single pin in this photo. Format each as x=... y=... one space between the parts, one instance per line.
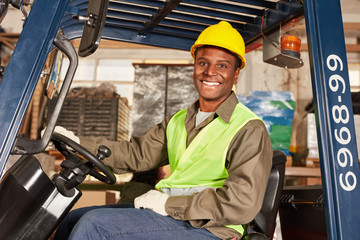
x=32 y=205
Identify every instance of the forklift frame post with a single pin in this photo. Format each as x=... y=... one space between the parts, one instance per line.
x=334 y=117
x=24 y=68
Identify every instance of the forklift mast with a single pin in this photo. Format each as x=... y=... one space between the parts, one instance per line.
x=176 y=24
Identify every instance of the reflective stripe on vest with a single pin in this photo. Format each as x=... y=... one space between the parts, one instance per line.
x=202 y=163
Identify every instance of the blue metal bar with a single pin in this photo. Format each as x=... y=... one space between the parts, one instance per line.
x=200 y=19
x=144 y=3
x=334 y=118
x=226 y=6
x=128 y=16
x=163 y=30
x=259 y=3
x=122 y=23
x=177 y=32
x=214 y=13
x=181 y=24
x=119 y=6
x=24 y=68
x=78 y=2
x=155 y=39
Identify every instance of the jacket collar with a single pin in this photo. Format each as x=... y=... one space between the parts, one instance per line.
x=224 y=111
x=226 y=108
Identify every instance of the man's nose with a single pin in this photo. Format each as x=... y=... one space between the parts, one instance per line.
x=211 y=70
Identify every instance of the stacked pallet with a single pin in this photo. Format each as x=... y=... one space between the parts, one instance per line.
x=98 y=116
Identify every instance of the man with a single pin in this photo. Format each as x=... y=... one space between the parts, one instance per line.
x=218 y=150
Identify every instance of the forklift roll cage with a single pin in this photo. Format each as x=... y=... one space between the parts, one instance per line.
x=176 y=24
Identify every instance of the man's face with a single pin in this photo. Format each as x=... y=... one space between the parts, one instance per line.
x=214 y=75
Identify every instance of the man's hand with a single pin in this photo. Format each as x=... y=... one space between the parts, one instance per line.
x=65 y=132
x=153 y=200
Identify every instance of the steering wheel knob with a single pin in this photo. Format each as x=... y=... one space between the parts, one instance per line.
x=103 y=152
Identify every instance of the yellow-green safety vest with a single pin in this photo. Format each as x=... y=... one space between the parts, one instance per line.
x=202 y=163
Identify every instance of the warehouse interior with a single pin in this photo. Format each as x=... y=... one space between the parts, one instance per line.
x=136 y=86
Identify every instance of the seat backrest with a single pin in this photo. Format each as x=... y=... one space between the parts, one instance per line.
x=265 y=221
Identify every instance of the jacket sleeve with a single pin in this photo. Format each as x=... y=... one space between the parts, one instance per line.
x=240 y=199
x=142 y=153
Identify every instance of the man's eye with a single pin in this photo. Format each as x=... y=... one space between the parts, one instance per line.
x=222 y=66
x=202 y=63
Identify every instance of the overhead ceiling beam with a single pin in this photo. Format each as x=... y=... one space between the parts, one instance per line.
x=159 y=16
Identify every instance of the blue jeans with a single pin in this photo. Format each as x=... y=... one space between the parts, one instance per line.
x=112 y=222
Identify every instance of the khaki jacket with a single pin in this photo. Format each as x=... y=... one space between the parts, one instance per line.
x=249 y=160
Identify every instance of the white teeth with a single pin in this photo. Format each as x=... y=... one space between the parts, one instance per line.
x=211 y=83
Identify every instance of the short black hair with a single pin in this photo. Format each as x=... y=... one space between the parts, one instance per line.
x=237 y=58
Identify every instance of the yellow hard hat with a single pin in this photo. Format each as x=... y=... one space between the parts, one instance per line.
x=222 y=35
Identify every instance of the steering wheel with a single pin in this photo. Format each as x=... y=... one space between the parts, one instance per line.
x=107 y=177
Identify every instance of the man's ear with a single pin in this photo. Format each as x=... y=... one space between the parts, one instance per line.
x=237 y=72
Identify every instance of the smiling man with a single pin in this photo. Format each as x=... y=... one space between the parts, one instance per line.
x=218 y=150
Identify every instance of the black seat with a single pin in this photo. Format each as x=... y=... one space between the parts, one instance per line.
x=263 y=226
